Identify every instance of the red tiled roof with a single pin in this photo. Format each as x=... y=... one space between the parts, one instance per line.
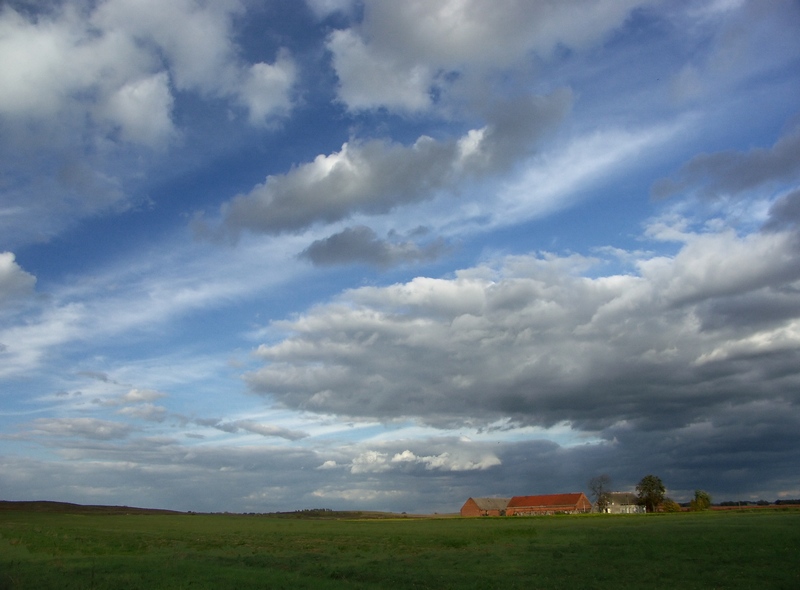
x=545 y=500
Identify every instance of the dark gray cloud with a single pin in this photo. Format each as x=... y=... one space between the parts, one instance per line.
x=252 y=426
x=361 y=245
x=96 y=375
x=375 y=176
x=734 y=172
x=163 y=473
x=536 y=342
x=423 y=474
x=785 y=212
x=80 y=428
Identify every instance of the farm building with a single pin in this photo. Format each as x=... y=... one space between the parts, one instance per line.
x=623 y=503
x=548 y=504
x=485 y=507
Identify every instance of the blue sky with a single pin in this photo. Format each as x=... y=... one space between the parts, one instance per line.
x=260 y=256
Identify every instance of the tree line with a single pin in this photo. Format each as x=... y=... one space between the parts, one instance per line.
x=650 y=493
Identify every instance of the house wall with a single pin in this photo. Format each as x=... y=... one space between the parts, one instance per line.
x=582 y=505
x=535 y=510
x=471 y=508
x=623 y=503
x=625 y=509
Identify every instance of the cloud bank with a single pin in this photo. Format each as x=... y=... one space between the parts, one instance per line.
x=543 y=339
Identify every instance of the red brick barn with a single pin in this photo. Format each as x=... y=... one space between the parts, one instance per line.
x=548 y=504
x=484 y=507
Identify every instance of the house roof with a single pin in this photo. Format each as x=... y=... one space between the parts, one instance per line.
x=622 y=498
x=491 y=503
x=545 y=500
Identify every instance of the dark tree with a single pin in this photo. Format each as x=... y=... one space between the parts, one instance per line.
x=599 y=487
x=651 y=492
x=670 y=505
x=702 y=501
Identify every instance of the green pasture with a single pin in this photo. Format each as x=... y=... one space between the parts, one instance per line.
x=749 y=549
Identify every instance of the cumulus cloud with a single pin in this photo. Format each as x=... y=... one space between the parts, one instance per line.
x=14 y=281
x=368 y=81
x=544 y=340
x=60 y=65
x=403 y=53
x=734 y=172
x=370 y=462
x=455 y=460
x=88 y=91
x=142 y=110
x=375 y=176
x=197 y=40
x=265 y=91
x=112 y=57
x=446 y=462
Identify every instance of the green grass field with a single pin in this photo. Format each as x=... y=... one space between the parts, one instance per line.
x=749 y=549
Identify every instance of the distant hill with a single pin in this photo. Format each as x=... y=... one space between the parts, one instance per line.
x=316 y=513
x=68 y=508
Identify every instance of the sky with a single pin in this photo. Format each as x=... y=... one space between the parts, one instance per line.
x=273 y=255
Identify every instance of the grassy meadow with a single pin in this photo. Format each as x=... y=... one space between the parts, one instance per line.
x=734 y=549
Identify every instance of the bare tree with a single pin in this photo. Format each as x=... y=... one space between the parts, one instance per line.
x=600 y=488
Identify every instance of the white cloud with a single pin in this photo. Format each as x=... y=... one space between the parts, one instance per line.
x=196 y=37
x=14 y=281
x=27 y=343
x=114 y=54
x=396 y=56
x=324 y=8
x=266 y=89
x=56 y=57
x=446 y=462
x=143 y=110
x=374 y=177
x=371 y=81
x=183 y=280
x=358 y=496
x=552 y=181
x=370 y=462
x=89 y=90
x=197 y=40
x=724 y=264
